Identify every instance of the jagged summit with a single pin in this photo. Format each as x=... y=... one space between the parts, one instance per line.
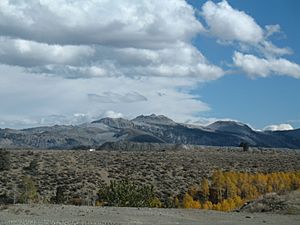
x=154 y=119
x=115 y=122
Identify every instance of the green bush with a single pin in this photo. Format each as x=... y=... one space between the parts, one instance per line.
x=28 y=191
x=127 y=194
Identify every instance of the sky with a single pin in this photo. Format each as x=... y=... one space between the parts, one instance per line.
x=70 y=62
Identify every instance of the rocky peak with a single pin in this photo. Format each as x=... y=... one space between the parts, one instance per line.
x=115 y=122
x=154 y=119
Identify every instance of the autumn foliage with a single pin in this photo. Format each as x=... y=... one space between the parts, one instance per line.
x=227 y=191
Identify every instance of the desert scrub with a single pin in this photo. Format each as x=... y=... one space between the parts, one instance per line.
x=125 y=193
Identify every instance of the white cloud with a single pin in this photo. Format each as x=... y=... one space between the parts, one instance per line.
x=112 y=114
x=182 y=59
x=279 y=127
x=133 y=62
x=263 y=67
x=85 y=39
x=118 y=23
x=29 y=53
x=270 y=50
x=272 y=29
x=235 y=27
x=231 y=24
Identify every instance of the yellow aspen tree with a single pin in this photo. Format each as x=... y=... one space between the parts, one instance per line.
x=187 y=201
x=238 y=202
x=192 y=191
x=231 y=204
x=230 y=189
x=217 y=207
x=225 y=206
x=176 y=202
x=218 y=184
x=204 y=189
x=207 y=205
x=196 y=205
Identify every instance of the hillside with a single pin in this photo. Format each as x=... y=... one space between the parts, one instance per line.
x=145 y=129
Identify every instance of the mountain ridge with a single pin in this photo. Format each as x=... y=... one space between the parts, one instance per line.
x=145 y=129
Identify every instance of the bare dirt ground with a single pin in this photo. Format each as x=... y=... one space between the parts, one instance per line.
x=171 y=172
x=87 y=215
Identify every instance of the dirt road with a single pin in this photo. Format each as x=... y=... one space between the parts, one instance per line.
x=84 y=215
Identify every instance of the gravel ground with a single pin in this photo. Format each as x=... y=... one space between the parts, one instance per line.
x=84 y=215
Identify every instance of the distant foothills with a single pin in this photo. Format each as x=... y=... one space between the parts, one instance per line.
x=152 y=130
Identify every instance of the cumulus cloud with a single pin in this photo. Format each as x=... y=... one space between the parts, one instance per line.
x=85 y=39
x=279 y=127
x=118 y=23
x=30 y=53
x=133 y=62
x=231 y=24
x=256 y=66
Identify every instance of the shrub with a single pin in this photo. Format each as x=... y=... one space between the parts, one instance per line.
x=32 y=169
x=127 y=194
x=5 y=199
x=172 y=202
x=60 y=195
x=28 y=191
x=155 y=203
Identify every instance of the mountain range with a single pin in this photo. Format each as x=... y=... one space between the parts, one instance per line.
x=150 y=129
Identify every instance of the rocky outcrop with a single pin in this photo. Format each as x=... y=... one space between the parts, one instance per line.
x=274 y=203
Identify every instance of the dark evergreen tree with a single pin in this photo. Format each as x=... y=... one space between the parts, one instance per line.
x=245 y=146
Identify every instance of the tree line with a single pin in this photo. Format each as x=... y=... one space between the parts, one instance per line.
x=226 y=191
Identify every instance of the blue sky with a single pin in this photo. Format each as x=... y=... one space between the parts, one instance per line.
x=70 y=62
x=258 y=101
